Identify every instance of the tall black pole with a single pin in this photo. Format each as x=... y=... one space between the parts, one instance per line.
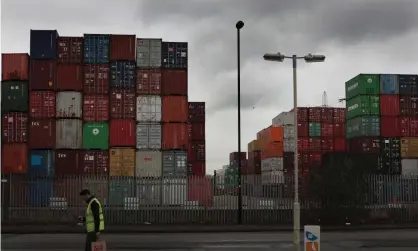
x=239 y=26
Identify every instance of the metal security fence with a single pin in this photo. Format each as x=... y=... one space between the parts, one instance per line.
x=203 y=200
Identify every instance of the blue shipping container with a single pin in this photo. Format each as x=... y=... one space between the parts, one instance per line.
x=123 y=74
x=96 y=48
x=408 y=85
x=43 y=44
x=41 y=162
x=389 y=84
x=40 y=191
x=174 y=55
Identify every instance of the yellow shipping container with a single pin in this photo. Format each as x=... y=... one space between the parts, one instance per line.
x=122 y=161
x=409 y=147
x=254 y=146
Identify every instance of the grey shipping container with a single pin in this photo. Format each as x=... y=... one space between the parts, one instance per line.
x=14 y=96
x=149 y=192
x=148 y=164
x=69 y=105
x=69 y=134
x=174 y=163
x=119 y=189
x=148 y=136
x=148 y=52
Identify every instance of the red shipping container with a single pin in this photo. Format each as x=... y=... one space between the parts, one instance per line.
x=233 y=157
x=197 y=169
x=408 y=127
x=327 y=144
x=303 y=129
x=14 y=192
x=148 y=81
x=315 y=144
x=197 y=131
x=339 y=130
x=69 y=77
x=389 y=126
x=175 y=109
x=339 y=144
x=122 y=47
x=96 y=78
x=364 y=145
x=70 y=50
x=303 y=143
x=15 y=127
x=200 y=189
x=327 y=130
x=327 y=115
x=95 y=162
x=14 y=158
x=42 y=134
x=315 y=114
x=174 y=82
x=96 y=108
x=303 y=160
x=315 y=159
x=254 y=162
x=122 y=104
x=43 y=75
x=339 y=115
x=197 y=151
x=175 y=136
x=66 y=187
x=389 y=105
x=42 y=104
x=14 y=66
x=197 y=112
x=122 y=132
x=302 y=114
x=408 y=106
x=67 y=162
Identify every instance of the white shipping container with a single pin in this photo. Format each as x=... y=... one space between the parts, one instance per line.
x=69 y=133
x=284 y=118
x=174 y=192
x=289 y=144
x=148 y=136
x=409 y=167
x=288 y=131
x=69 y=105
x=148 y=52
x=272 y=177
x=272 y=164
x=148 y=108
x=148 y=164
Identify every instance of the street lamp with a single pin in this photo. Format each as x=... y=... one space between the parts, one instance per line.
x=239 y=26
x=310 y=58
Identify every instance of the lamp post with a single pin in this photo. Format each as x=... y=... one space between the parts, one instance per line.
x=278 y=57
x=239 y=26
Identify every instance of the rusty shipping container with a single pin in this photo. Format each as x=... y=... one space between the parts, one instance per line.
x=175 y=136
x=70 y=50
x=42 y=104
x=69 y=105
x=42 y=134
x=14 y=66
x=408 y=106
x=15 y=128
x=148 y=81
x=69 y=77
x=122 y=132
x=122 y=162
x=67 y=162
x=95 y=162
x=197 y=151
x=65 y=187
x=43 y=75
x=122 y=104
x=174 y=82
x=96 y=78
x=409 y=147
x=197 y=131
x=69 y=134
x=122 y=47
x=96 y=108
x=175 y=109
x=196 y=111
x=14 y=158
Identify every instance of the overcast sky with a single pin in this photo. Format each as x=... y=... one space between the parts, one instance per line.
x=357 y=36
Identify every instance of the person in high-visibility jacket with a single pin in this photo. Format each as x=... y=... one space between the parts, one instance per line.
x=94 y=219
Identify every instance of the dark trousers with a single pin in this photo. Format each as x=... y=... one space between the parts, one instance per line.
x=90 y=237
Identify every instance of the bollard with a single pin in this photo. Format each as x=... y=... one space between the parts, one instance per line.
x=312 y=238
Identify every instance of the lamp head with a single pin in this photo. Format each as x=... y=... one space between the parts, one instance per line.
x=239 y=25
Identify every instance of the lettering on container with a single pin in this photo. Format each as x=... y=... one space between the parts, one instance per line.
x=355 y=106
x=89 y=157
x=352 y=87
x=35 y=123
x=62 y=155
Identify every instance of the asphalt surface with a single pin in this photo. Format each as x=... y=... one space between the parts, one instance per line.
x=396 y=240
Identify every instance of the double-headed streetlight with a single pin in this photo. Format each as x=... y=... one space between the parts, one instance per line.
x=278 y=57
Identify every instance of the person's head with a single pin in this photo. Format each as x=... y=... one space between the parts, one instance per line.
x=85 y=194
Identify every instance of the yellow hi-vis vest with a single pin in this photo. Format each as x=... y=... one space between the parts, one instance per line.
x=90 y=217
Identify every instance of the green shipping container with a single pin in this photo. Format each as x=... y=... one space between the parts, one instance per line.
x=14 y=96
x=362 y=84
x=96 y=136
x=231 y=177
x=314 y=129
x=119 y=190
x=363 y=105
x=364 y=126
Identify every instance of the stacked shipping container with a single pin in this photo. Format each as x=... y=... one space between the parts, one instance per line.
x=197 y=141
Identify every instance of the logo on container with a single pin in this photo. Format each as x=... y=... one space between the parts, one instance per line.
x=96 y=131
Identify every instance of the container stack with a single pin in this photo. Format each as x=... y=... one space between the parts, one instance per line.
x=271 y=145
x=252 y=179
x=197 y=141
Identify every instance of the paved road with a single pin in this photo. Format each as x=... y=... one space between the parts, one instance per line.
x=399 y=240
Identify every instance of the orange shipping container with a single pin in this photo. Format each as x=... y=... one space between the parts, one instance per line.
x=409 y=147
x=14 y=158
x=271 y=150
x=273 y=134
x=14 y=66
x=122 y=161
x=175 y=136
x=175 y=109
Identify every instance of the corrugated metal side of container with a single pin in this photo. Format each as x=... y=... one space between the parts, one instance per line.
x=148 y=81
x=155 y=55
x=14 y=96
x=41 y=162
x=42 y=104
x=148 y=136
x=408 y=105
x=96 y=135
x=175 y=109
x=149 y=191
x=142 y=52
x=303 y=129
x=175 y=136
x=43 y=75
x=95 y=108
x=42 y=134
x=409 y=147
x=408 y=85
x=389 y=84
x=122 y=47
x=98 y=186
x=197 y=112
x=14 y=158
x=174 y=82
x=174 y=55
x=389 y=105
x=69 y=77
x=122 y=104
x=409 y=167
x=122 y=162
x=122 y=74
x=43 y=44
x=196 y=169
x=70 y=50
x=69 y=105
x=119 y=190
x=67 y=162
x=389 y=126
x=15 y=127
x=327 y=115
x=95 y=162
x=148 y=109
x=175 y=191
x=96 y=48
x=96 y=78
x=148 y=164
x=40 y=191
x=122 y=133
x=174 y=163
x=197 y=151
x=14 y=66
x=69 y=134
